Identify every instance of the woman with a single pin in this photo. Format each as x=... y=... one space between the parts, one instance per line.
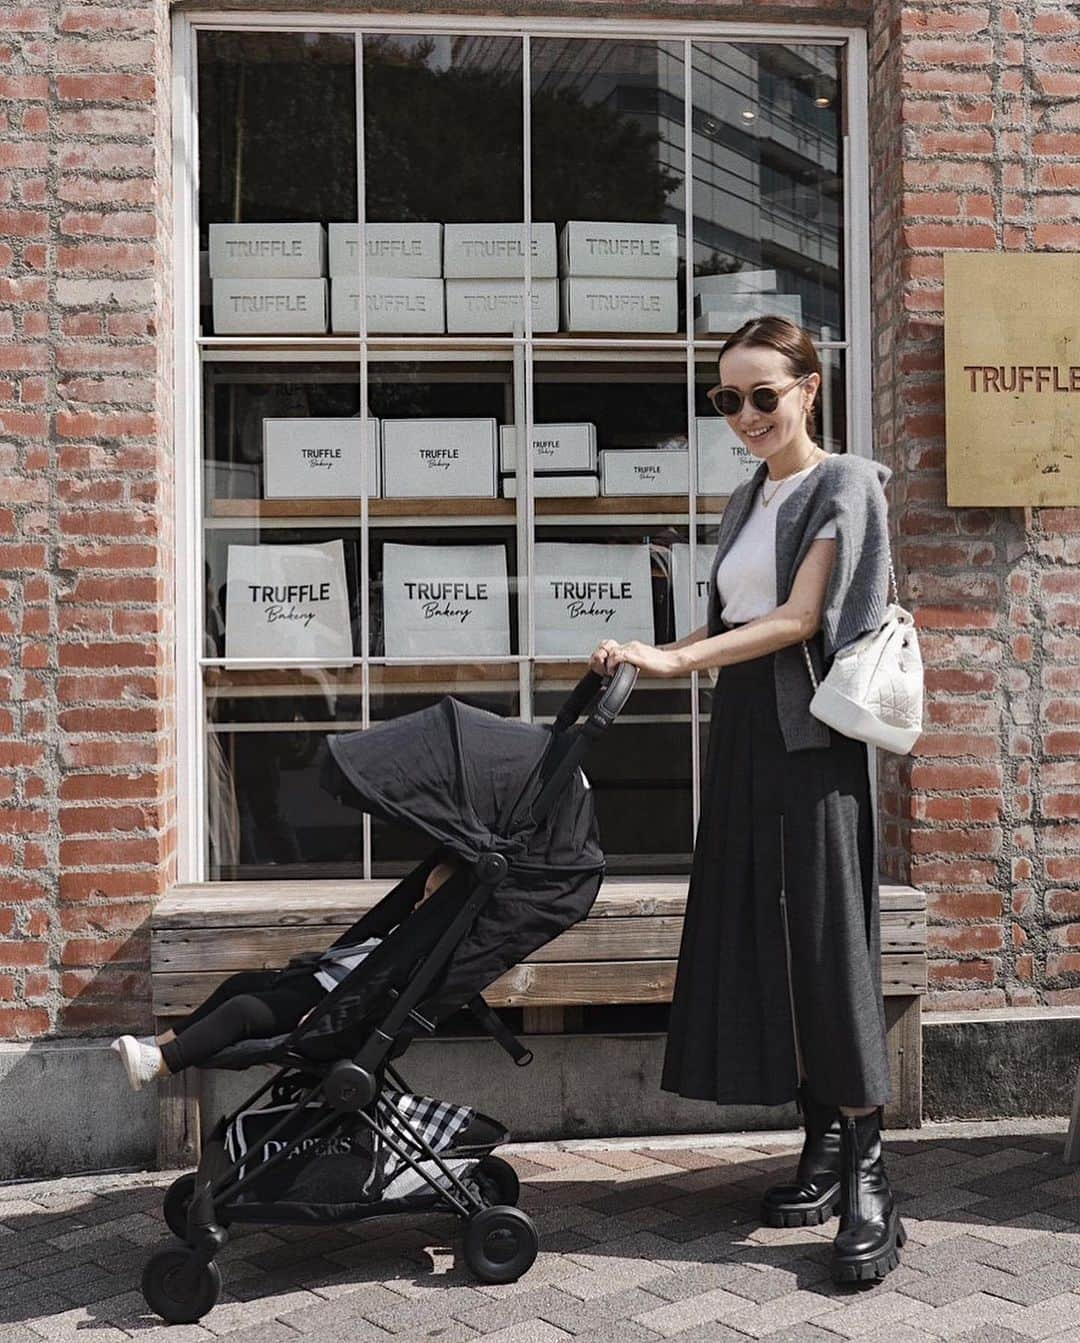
x=778 y=992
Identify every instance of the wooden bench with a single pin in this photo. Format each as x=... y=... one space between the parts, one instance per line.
x=624 y=952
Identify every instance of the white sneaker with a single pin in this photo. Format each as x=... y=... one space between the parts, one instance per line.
x=142 y=1062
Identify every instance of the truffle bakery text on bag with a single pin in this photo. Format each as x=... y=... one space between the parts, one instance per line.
x=874 y=689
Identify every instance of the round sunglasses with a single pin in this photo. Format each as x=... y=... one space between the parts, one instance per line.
x=728 y=401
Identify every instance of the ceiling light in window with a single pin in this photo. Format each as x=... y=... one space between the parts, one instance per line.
x=748 y=114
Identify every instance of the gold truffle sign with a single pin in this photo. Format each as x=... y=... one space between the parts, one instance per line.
x=1012 y=378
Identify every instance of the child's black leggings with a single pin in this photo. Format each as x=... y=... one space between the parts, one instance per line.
x=247 y=1006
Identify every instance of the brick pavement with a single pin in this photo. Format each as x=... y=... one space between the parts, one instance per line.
x=639 y=1242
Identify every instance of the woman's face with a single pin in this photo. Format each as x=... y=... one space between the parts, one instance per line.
x=765 y=434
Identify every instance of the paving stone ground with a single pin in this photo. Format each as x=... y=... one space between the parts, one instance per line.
x=640 y=1241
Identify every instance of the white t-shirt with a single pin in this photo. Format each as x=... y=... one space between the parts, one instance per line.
x=746 y=578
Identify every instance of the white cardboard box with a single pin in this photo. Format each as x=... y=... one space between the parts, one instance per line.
x=586 y=592
x=555 y=487
x=396 y=304
x=728 y=313
x=270 y=307
x=497 y=251
x=644 y=471
x=555 y=447
x=620 y=305
x=430 y=459
x=734 y=282
x=443 y=600
x=319 y=458
x=690 y=615
x=498 y=305
x=288 y=601
x=723 y=461
x=392 y=249
x=610 y=247
x=267 y=251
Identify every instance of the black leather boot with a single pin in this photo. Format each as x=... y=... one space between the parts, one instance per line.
x=814 y=1195
x=867 y=1246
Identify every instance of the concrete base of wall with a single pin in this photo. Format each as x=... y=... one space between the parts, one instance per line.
x=65 y=1106
x=1000 y=1062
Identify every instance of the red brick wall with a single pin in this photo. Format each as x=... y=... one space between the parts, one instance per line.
x=86 y=695
x=975 y=144
x=977 y=147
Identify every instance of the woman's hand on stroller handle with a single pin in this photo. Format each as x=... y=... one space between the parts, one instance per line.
x=609 y=655
x=598 y=662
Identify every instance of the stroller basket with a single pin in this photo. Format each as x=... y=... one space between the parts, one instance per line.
x=336 y=1134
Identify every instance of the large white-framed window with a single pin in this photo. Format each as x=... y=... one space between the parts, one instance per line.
x=735 y=153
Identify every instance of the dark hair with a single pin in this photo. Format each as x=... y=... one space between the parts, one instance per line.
x=777 y=333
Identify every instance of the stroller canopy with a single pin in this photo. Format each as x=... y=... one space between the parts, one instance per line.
x=468 y=779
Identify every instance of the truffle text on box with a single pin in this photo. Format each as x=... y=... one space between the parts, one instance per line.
x=611 y=247
x=442 y=601
x=644 y=471
x=287 y=601
x=396 y=305
x=267 y=251
x=585 y=592
x=555 y=447
x=320 y=458
x=620 y=305
x=431 y=459
x=270 y=307
x=498 y=305
x=390 y=249
x=497 y=251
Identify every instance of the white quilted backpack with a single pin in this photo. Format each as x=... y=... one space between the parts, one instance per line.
x=874 y=689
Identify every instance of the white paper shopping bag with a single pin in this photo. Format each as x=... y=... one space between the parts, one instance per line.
x=586 y=592
x=288 y=602
x=445 y=601
x=689 y=615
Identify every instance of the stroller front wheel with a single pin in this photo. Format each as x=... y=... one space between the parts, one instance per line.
x=179 y=1288
x=500 y=1244
x=176 y=1204
x=498 y=1182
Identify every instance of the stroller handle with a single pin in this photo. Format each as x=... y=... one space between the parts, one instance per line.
x=604 y=697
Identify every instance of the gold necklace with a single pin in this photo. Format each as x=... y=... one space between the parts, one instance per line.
x=765 y=502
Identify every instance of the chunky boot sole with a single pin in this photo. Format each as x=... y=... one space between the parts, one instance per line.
x=873 y=1267
x=805 y=1214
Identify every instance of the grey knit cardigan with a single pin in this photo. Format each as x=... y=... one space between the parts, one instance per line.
x=847 y=490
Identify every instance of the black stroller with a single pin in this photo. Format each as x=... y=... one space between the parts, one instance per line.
x=338 y=1136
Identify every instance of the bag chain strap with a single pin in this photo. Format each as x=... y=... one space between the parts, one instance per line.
x=895 y=590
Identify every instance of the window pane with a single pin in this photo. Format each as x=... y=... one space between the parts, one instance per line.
x=442 y=128
x=268 y=809
x=640 y=771
x=444 y=553
x=603 y=568
x=277 y=147
x=608 y=152
x=768 y=185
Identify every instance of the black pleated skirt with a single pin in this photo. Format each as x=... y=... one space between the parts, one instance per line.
x=779 y=832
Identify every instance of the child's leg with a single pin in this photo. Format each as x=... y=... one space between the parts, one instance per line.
x=244 y=981
x=244 y=1016
x=441 y=872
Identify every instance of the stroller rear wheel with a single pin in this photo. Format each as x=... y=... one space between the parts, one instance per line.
x=179 y=1288
x=498 y=1182
x=176 y=1204
x=500 y=1244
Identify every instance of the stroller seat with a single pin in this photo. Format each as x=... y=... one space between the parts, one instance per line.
x=250 y=1054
